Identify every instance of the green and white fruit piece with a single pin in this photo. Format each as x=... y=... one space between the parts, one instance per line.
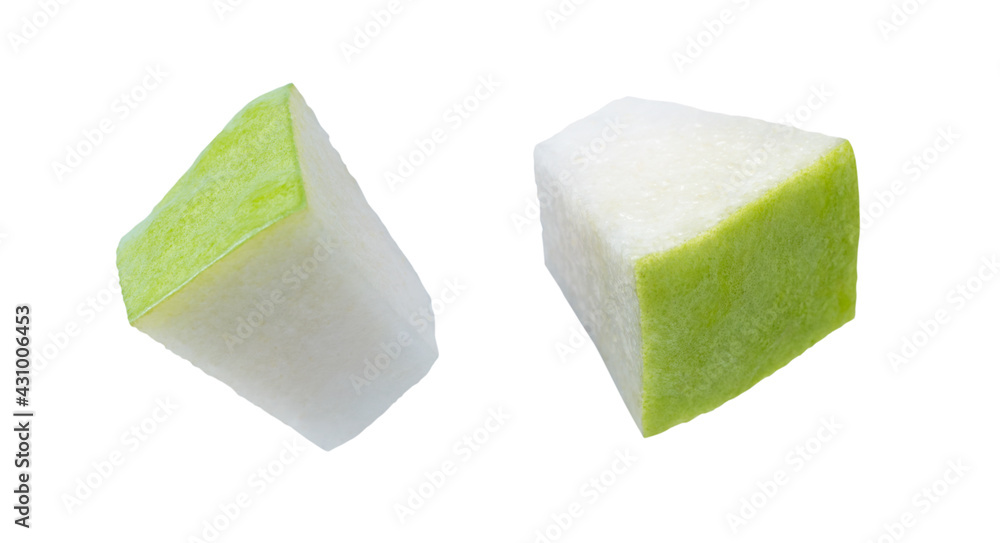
x=701 y=251
x=266 y=268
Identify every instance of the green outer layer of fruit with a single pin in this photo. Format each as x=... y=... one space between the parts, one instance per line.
x=728 y=308
x=247 y=179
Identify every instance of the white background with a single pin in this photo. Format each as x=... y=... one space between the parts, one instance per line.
x=509 y=340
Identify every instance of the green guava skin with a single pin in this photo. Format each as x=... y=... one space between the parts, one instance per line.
x=245 y=180
x=728 y=308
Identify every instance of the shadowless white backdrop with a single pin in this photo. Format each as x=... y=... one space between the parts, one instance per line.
x=882 y=432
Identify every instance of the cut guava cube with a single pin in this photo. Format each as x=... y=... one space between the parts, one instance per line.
x=266 y=268
x=700 y=251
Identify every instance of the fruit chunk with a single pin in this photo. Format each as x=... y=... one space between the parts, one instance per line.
x=700 y=251
x=266 y=268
